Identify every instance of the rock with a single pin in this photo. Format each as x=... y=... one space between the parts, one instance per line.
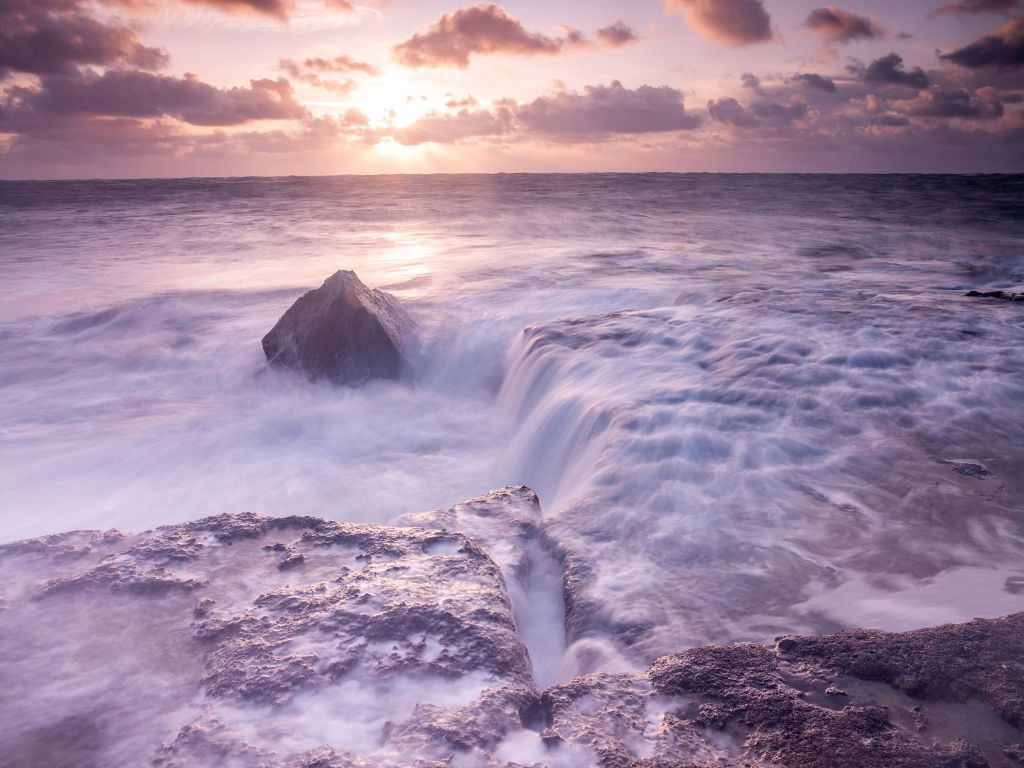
x=296 y=642
x=968 y=469
x=1004 y=295
x=981 y=659
x=343 y=332
x=773 y=722
x=350 y=645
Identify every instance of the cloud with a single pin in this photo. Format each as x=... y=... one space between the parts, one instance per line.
x=888 y=70
x=732 y=22
x=43 y=37
x=1003 y=49
x=608 y=109
x=308 y=71
x=337 y=64
x=128 y=93
x=447 y=128
x=751 y=81
x=956 y=103
x=967 y=7
x=834 y=25
x=760 y=113
x=479 y=29
x=595 y=114
x=813 y=80
x=617 y=34
x=279 y=9
x=458 y=102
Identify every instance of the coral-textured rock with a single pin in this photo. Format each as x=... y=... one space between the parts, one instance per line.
x=343 y=332
x=366 y=642
x=296 y=642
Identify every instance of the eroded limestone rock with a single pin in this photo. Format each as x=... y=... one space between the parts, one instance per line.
x=295 y=642
x=258 y=641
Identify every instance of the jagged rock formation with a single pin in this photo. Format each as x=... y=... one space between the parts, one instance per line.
x=297 y=642
x=343 y=332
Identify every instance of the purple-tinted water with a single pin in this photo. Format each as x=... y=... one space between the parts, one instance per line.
x=793 y=420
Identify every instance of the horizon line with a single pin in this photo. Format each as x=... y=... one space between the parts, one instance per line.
x=83 y=179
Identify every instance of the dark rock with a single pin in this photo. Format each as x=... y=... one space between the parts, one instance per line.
x=970 y=470
x=343 y=332
x=981 y=659
x=748 y=688
x=1004 y=295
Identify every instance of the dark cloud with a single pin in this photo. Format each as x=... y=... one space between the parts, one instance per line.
x=834 y=25
x=479 y=29
x=813 y=80
x=447 y=128
x=966 y=7
x=733 y=22
x=760 y=113
x=617 y=34
x=888 y=70
x=126 y=93
x=958 y=103
x=1003 y=49
x=751 y=81
x=44 y=37
x=608 y=109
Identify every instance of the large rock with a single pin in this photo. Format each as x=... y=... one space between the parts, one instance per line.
x=343 y=332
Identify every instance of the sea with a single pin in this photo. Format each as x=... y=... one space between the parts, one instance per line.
x=750 y=404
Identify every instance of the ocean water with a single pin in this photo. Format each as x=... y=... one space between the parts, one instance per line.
x=750 y=404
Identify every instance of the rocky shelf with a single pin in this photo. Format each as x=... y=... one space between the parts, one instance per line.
x=242 y=640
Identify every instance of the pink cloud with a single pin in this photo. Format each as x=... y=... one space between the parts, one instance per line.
x=732 y=22
x=834 y=25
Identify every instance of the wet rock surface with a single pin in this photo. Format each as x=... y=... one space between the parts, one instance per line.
x=295 y=642
x=343 y=332
x=982 y=659
x=1004 y=295
x=294 y=635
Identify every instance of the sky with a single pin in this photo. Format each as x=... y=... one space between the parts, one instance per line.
x=170 y=88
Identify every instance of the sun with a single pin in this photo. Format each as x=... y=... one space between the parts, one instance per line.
x=392 y=100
